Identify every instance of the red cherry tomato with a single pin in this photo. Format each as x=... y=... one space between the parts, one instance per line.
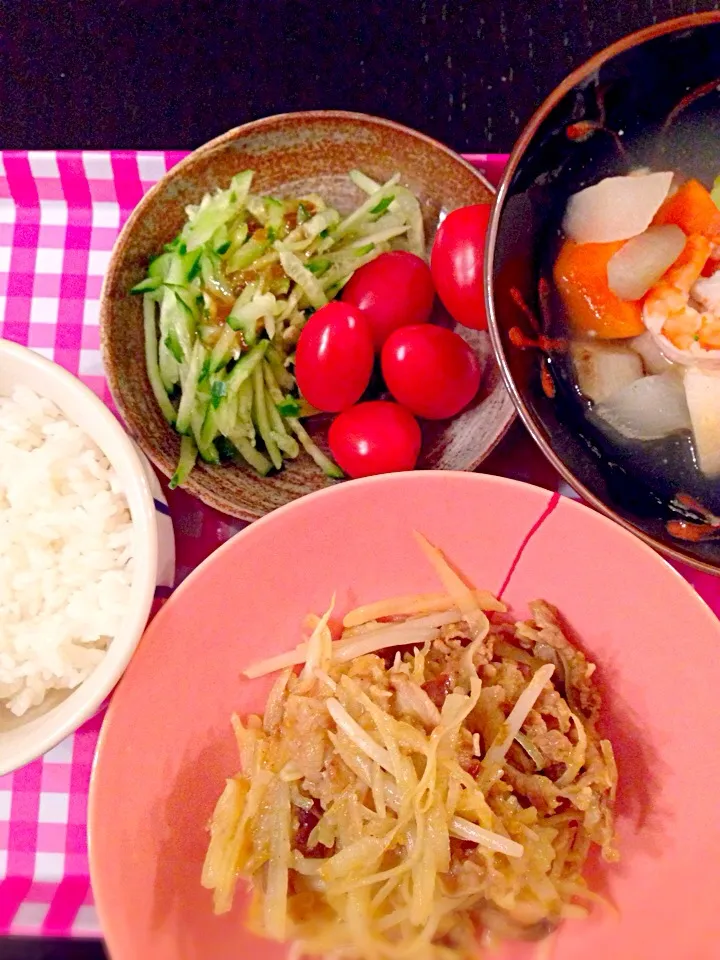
x=456 y=263
x=430 y=370
x=375 y=437
x=334 y=357
x=394 y=290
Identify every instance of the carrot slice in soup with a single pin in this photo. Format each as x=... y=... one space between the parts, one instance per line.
x=693 y=210
x=580 y=274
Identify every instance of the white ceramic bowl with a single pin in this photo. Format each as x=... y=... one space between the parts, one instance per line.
x=22 y=739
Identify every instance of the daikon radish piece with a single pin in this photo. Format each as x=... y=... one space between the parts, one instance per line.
x=617 y=208
x=639 y=264
x=648 y=409
x=702 y=391
x=602 y=369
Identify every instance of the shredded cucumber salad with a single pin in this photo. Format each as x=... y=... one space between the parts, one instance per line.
x=225 y=302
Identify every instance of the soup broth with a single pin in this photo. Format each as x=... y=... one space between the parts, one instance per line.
x=658 y=437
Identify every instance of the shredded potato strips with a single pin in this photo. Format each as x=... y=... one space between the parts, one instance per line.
x=272 y=717
x=359 y=737
x=409 y=606
x=579 y=753
x=423 y=786
x=247 y=741
x=378 y=791
x=411 y=632
x=518 y=714
x=493 y=841
x=283 y=660
x=225 y=840
x=319 y=650
x=449 y=718
x=378 y=640
x=531 y=750
x=457 y=588
x=404 y=772
x=357 y=760
x=354 y=859
x=275 y=902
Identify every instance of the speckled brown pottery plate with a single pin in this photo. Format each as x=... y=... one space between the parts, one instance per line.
x=290 y=154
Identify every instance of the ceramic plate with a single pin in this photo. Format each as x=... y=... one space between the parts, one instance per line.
x=166 y=744
x=291 y=154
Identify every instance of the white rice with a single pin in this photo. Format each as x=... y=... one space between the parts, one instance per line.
x=65 y=552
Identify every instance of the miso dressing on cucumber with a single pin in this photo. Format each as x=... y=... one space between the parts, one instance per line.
x=225 y=301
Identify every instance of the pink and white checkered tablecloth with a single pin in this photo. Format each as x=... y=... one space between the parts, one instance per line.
x=60 y=213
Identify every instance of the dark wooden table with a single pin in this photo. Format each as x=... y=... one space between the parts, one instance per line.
x=162 y=74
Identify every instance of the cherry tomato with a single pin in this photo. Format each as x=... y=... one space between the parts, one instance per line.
x=394 y=290
x=334 y=357
x=430 y=370
x=456 y=263
x=375 y=437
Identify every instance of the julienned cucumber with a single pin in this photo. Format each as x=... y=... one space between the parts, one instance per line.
x=188 y=456
x=224 y=303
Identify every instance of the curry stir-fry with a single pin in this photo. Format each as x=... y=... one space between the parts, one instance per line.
x=430 y=779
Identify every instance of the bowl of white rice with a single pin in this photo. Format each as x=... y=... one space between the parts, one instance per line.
x=78 y=553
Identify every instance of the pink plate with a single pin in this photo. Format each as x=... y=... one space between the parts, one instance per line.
x=166 y=744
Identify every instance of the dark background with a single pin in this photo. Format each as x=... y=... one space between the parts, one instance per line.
x=174 y=73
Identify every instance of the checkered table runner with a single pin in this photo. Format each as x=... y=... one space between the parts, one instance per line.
x=60 y=213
